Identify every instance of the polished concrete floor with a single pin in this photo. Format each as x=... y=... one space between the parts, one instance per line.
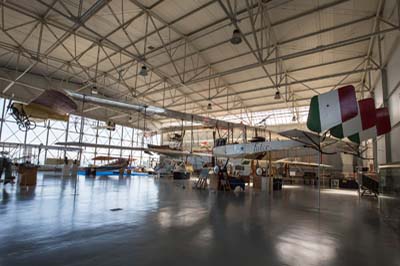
x=161 y=222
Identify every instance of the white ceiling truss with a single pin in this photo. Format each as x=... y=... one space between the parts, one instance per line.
x=299 y=47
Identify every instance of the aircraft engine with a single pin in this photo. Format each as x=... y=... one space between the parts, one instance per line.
x=17 y=111
x=216 y=169
x=259 y=171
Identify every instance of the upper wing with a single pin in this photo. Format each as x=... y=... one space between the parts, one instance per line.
x=41 y=146
x=254 y=149
x=168 y=152
x=155 y=110
x=178 y=153
x=300 y=163
x=93 y=145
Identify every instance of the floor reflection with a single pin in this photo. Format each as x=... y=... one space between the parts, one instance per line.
x=312 y=246
x=67 y=221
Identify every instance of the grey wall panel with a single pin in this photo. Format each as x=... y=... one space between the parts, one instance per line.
x=394 y=106
x=393 y=64
x=395 y=138
x=391 y=60
x=381 y=151
x=393 y=74
x=393 y=70
x=378 y=93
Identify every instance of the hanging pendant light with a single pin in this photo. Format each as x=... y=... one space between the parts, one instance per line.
x=294 y=118
x=236 y=37
x=143 y=71
x=209 y=106
x=94 y=90
x=277 y=95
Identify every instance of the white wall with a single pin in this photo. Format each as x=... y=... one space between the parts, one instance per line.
x=391 y=59
x=393 y=73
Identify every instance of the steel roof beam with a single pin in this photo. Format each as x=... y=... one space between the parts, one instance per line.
x=192 y=34
x=263 y=88
x=281 y=43
x=291 y=72
x=116 y=48
x=305 y=52
x=297 y=16
x=329 y=5
x=187 y=42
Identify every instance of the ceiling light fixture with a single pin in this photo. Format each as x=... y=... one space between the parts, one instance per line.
x=143 y=71
x=277 y=95
x=94 y=91
x=294 y=118
x=209 y=106
x=236 y=38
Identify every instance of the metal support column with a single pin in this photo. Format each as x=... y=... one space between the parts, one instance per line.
x=133 y=133
x=137 y=133
x=319 y=178
x=144 y=130
x=191 y=136
x=227 y=134
x=2 y=116
x=81 y=132
x=47 y=140
x=96 y=141
x=24 y=154
x=122 y=139
x=270 y=177
x=385 y=95
x=66 y=137
x=109 y=143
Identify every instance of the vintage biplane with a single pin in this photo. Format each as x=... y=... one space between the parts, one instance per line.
x=108 y=165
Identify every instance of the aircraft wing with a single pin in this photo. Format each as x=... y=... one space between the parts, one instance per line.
x=167 y=152
x=101 y=146
x=42 y=146
x=350 y=148
x=56 y=101
x=178 y=153
x=300 y=163
x=307 y=138
x=254 y=150
x=317 y=142
x=155 y=110
x=311 y=139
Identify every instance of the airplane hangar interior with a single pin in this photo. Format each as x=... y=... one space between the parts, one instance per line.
x=199 y=132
